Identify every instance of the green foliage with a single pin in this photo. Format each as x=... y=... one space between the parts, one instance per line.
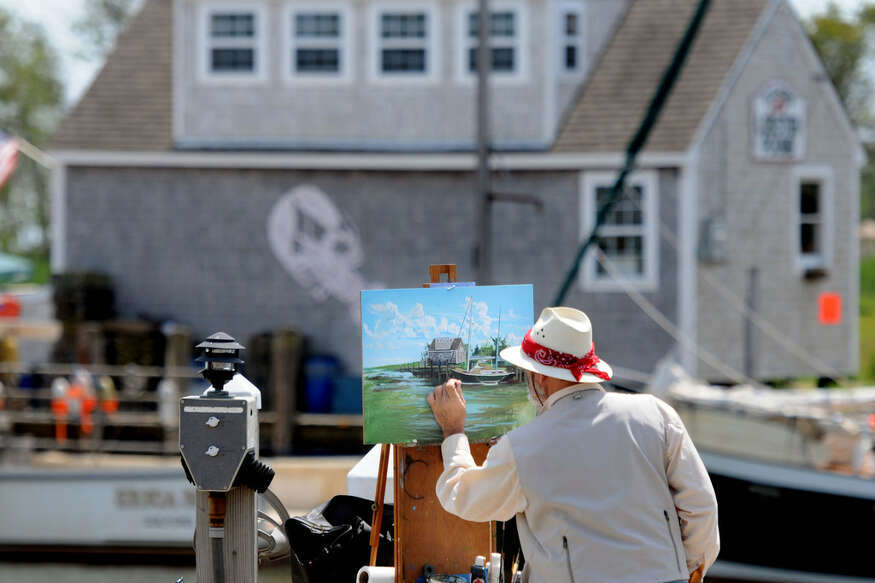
x=867 y=319
x=31 y=96
x=843 y=44
x=101 y=23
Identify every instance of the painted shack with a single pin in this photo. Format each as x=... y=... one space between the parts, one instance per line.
x=445 y=350
x=249 y=164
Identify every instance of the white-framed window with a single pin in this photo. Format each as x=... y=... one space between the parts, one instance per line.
x=318 y=40
x=507 y=39
x=404 y=42
x=628 y=236
x=813 y=231
x=571 y=31
x=233 y=40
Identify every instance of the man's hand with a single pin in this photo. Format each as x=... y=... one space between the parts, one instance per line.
x=448 y=405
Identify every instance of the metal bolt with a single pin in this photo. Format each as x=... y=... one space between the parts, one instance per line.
x=212 y=451
x=213 y=422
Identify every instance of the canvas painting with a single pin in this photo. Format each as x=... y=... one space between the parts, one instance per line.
x=414 y=339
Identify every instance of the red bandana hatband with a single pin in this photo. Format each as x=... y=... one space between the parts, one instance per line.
x=549 y=357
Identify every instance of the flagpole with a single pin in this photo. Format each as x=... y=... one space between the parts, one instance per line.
x=35 y=153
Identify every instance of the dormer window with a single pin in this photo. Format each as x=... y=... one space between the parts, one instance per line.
x=319 y=40
x=232 y=42
x=506 y=27
x=405 y=36
x=571 y=38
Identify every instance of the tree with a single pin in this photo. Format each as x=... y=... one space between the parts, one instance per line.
x=101 y=23
x=31 y=96
x=844 y=45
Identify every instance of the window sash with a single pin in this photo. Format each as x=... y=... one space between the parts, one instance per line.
x=226 y=47
x=403 y=48
x=504 y=39
x=625 y=244
x=317 y=37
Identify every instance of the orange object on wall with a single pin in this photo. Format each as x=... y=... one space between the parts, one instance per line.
x=10 y=307
x=830 y=308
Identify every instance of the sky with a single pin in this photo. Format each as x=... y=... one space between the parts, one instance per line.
x=57 y=16
x=398 y=324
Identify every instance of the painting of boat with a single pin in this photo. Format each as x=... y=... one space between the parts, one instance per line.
x=415 y=339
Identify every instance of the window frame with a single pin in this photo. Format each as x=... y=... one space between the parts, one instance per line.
x=258 y=43
x=825 y=177
x=431 y=43
x=579 y=10
x=344 y=43
x=649 y=183
x=465 y=43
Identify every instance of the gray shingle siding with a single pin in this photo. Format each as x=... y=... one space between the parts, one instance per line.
x=758 y=202
x=191 y=245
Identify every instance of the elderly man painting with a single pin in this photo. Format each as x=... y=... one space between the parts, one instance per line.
x=605 y=486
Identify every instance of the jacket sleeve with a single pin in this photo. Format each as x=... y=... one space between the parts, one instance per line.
x=692 y=491
x=479 y=493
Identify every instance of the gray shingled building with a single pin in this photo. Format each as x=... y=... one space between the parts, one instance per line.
x=242 y=167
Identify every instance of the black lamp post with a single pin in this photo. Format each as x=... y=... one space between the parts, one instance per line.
x=221 y=358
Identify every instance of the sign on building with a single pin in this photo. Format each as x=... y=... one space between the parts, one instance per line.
x=778 y=123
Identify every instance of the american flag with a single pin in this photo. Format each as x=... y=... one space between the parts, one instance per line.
x=8 y=157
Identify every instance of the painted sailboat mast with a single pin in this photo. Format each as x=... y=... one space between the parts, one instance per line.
x=468 y=362
x=497 y=340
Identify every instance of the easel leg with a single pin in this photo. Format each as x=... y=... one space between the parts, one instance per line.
x=377 y=522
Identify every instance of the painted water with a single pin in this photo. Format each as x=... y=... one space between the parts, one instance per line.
x=396 y=410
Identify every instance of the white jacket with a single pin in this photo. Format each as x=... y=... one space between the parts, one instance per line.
x=605 y=487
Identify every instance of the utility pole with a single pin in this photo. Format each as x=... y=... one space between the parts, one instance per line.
x=484 y=187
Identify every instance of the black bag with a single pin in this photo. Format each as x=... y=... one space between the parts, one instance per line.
x=332 y=541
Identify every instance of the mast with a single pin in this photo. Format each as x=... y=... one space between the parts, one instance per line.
x=468 y=366
x=497 y=339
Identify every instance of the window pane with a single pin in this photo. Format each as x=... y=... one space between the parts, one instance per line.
x=234 y=60
x=809 y=238
x=503 y=24
x=403 y=25
x=625 y=254
x=403 y=60
x=809 y=198
x=571 y=57
x=626 y=211
x=317 y=60
x=317 y=25
x=503 y=59
x=232 y=24
x=571 y=24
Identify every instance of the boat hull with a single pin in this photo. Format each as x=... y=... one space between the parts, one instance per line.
x=481 y=379
x=784 y=523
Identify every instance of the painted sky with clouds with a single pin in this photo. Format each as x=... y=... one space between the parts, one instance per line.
x=398 y=324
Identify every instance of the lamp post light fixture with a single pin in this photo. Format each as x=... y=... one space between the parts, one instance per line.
x=221 y=358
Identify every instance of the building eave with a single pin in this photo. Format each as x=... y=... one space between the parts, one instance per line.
x=403 y=162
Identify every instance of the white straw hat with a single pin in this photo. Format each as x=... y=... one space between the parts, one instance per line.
x=560 y=345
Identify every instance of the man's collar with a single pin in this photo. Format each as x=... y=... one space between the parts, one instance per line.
x=551 y=400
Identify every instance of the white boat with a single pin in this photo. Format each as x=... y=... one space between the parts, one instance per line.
x=793 y=471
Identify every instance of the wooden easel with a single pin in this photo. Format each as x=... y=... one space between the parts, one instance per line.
x=425 y=534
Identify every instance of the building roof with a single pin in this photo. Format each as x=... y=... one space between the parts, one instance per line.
x=612 y=102
x=129 y=106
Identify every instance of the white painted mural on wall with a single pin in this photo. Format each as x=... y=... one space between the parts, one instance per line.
x=319 y=246
x=778 y=123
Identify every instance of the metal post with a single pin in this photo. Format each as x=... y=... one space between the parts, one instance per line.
x=484 y=64
x=751 y=304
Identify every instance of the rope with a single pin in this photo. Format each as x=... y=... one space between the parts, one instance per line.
x=663 y=322
x=666 y=84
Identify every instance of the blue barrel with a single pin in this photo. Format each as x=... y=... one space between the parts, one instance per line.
x=321 y=371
